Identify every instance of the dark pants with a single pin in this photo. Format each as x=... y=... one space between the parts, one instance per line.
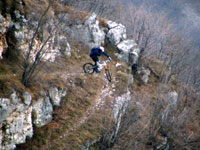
x=94 y=58
x=134 y=69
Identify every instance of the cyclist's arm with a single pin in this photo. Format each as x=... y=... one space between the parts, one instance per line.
x=105 y=54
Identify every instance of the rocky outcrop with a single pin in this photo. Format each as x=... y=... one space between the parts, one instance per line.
x=5 y=109
x=17 y=128
x=4 y=23
x=116 y=32
x=128 y=48
x=170 y=105
x=120 y=107
x=16 y=115
x=55 y=95
x=16 y=121
x=42 y=111
x=143 y=74
x=129 y=52
x=87 y=31
x=97 y=35
x=22 y=32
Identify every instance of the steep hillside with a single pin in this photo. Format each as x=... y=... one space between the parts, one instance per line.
x=48 y=102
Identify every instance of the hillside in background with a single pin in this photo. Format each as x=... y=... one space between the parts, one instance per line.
x=185 y=14
x=47 y=101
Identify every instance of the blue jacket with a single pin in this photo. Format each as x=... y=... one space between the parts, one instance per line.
x=97 y=51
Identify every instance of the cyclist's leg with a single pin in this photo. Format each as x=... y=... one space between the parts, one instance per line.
x=95 y=59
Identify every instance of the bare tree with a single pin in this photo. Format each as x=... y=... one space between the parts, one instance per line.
x=30 y=66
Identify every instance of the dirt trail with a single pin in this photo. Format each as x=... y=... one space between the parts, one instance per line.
x=97 y=105
x=99 y=102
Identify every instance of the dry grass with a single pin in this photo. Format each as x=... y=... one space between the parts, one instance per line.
x=80 y=95
x=9 y=79
x=121 y=83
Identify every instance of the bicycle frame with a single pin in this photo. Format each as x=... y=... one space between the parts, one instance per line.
x=105 y=65
x=90 y=68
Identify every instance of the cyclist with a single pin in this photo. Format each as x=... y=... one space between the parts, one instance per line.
x=95 y=52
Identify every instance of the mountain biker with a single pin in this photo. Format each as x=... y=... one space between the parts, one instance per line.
x=95 y=52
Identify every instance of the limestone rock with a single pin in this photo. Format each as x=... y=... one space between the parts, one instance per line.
x=5 y=109
x=96 y=35
x=116 y=33
x=56 y=95
x=127 y=48
x=61 y=43
x=172 y=98
x=3 y=29
x=14 y=98
x=170 y=102
x=27 y=98
x=42 y=110
x=144 y=74
x=88 y=31
x=134 y=56
x=120 y=106
x=130 y=79
x=18 y=127
x=120 y=101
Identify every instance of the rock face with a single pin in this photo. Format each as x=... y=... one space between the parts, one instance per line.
x=18 y=127
x=129 y=52
x=87 y=31
x=120 y=106
x=3 y=29
x=170 y=104
x=5 y=108
x=15 y=123
x=42 y=110
x=23 y=31
x=96 y=34
x=16 y=115
x=27 y=98
x=116 y=33
x=56 y=95
x=128 y=49
x=143 y=74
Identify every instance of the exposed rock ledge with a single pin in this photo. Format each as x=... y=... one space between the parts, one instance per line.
x=16 y=116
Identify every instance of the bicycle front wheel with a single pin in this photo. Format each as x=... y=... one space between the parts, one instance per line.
x=88 y=68
x=108 y=75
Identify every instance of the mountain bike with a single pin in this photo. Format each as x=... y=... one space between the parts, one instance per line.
x=90 y=68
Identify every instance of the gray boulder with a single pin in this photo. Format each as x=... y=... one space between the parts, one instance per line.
x=42 y=110
x=143 y=74
x=171 y=101
x=87 y=31
x=60 y=43
x=16 y=119
x=5 y=109
x=14 y=98
x=172 y=98
x=116 y=32
x=56 y=95
x=97 y=36
x=3 y=29
x=18 y=127
x=120 y=106
x=128 y=48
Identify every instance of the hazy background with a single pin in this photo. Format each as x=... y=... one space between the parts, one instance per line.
x=185 y=14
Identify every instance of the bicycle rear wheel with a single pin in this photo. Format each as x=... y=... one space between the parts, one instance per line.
x=88 y=68
x=108 y=75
